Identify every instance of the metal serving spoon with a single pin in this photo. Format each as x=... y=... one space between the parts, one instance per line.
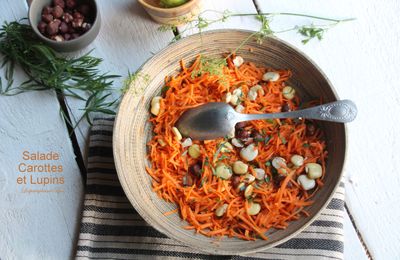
x=218 y=119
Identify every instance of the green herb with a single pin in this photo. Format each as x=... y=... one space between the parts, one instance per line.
x=220 y=146
x=223 y=157
x=97 y=103
x=46 y=70
x=306 y=145
x=275 y=172
x=207 y=163
x=266 y=140
x=213 y=66
x=308 y=31
x=283 y=139
x=131 y=80
x=311 y=32
x=270 y=121
x=203 y=180
x=258 y=140
x=265 y=29
x=164 y=90
x=267 y=163
x=267 y=178
x=169 y=27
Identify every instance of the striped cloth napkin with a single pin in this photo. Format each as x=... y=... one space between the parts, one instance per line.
x=112 y=229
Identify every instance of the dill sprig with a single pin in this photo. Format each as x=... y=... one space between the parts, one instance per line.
x=307 y=31
x=312 y=31
x=132 y=78
x=46 y=70
x=212 y=66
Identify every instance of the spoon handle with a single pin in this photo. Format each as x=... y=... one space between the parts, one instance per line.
x=342 y=111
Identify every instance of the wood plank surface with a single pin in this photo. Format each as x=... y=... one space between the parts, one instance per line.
x=353 y=248
x=35 y=225
x=208 y=11
x=127 y=38
x=361 y=59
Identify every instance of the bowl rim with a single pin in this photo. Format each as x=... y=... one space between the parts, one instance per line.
x=63 y=43
x=176 y=9
x=218 y=251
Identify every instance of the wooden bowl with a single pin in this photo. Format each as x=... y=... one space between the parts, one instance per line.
x=132 y=131
x=173 y=16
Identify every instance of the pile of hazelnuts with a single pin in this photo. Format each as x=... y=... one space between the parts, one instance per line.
x=65 y=20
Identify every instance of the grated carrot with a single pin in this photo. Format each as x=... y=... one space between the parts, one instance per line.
x=197 y=203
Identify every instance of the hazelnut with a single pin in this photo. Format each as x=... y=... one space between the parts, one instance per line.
x=86 y=26
x=70 y=4
x=42 y=27
x=57 y=21
x=241 y=125
x=63 y=27
x=285 y=108
x=60 y=3
x=195 y=169
x=235 y=181
x=257 y=136
x=77 y=15
x=242 y=133
x=67 y=36
x=67 y=17
x=74 y=36
x=77 y=22
x=310 y=129
x=57 y=11
x=71 y=29
x=52 y=28
x=47 y=9
x=277 y=179
x=84 y=9
x=57 y=38
x=47 y=18
x=248 y=141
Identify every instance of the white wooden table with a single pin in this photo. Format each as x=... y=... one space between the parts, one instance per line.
x=361 y=59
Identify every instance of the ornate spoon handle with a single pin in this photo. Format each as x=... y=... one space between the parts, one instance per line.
x=342 y=111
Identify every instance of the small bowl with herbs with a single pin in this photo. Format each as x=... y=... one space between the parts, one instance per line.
x=173 y=12
x=65 y=25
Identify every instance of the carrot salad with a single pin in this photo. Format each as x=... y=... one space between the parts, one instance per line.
x=243 y=185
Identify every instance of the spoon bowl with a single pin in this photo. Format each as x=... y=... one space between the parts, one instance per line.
x=218 y=119
x=208 y=121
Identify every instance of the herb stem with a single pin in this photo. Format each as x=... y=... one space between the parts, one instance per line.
x=295 y=28
x=47 y=70
x=308 y=32
x=295 y=14
x=243 y=43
